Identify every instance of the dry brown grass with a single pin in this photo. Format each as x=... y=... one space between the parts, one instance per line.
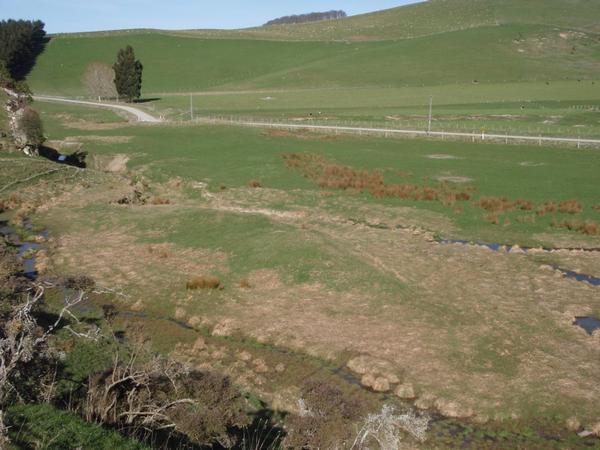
x=13 y=201
x=203 y=282
x=524 y=205
x=570 y=207
x=245 y=283
x=159 y=201
x=160 y=250
x=254 y=184
x=596 y=207
x=495 y=204
x=587 y=227
x=546 y=208
x=305 y=135
x=337 y=176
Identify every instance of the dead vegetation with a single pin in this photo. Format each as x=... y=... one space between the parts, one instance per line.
x=326 y=418
x=162 y=395
x=330 y=175
x=254 y=184
x=203 y=282
x=587 y=227
x=158 y=201
x=547 y=208
x=502 y=204
x=570 y=207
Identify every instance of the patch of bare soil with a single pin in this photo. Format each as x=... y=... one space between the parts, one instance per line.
x=109 y=163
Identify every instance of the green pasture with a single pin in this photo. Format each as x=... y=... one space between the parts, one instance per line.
x=420 y=19
x=174 y=64
x=564 y=108
x=231 y=157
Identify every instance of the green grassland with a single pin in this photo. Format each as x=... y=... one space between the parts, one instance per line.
x=177 y=64
x=336 y=273
x=232 y=157
x=518 y=73
x=331 y=253
x=422 y=19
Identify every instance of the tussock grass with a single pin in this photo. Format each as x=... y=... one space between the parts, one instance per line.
x=159 y=201
x=203 y=282
x=546 y=208
x=330 y=175
x=254 y=184
x=587 y=227
x=570 y=207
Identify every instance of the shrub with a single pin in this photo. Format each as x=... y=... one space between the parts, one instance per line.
x=203 y=282
x=326 y=419
x=195 y=407
x=31 y=126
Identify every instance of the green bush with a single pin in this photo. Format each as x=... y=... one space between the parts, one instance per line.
x=45 y=427
x=31 y=125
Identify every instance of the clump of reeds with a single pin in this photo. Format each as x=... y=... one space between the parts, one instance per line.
x=159 y=201
x=547 y=208
x=587 y=227
x=203 y=282
x=570 y=207
x=254 y=184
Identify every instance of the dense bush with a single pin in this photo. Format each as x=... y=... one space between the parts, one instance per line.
x=31 y=126
x=327 y=419
x=21 y=41
x=128 y=74
x=311 y=17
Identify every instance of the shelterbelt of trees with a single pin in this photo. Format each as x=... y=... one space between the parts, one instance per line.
x=21 y=41
x=311 y=17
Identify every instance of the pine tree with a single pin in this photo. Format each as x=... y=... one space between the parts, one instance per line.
x=128 y=74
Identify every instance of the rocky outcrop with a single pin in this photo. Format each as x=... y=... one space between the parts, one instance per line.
x=15 y=108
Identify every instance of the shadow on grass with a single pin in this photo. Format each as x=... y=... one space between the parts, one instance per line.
x=147 y=100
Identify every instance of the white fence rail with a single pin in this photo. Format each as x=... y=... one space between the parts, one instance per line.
x=390 y=132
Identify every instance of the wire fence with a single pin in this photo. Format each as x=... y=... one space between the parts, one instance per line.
x=396 y=132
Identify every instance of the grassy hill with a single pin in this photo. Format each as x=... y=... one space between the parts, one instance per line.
x=422 y=19
x=182 y=64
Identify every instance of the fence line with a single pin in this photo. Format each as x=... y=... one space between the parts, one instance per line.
x=389 y=132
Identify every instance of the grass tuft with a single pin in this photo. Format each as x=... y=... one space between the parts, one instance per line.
x=203 y=282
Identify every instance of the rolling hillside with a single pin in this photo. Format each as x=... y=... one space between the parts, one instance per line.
x=496 y=54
